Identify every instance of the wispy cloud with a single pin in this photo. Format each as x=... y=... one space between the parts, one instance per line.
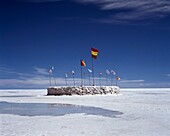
x=132 y=10
x=132 y=81
x=124 y=11
x=168 y=75
x=40 y=1
x=41 y=71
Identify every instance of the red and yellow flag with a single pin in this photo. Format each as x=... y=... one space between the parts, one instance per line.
x=82 y=63
x=94 y=53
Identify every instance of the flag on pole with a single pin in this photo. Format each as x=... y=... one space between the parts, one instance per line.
x=83 y=63
x=94 y=53
x=100 y=73
x=66 y=75
x=113 y=72
x=73 y=72
x=117 y=78
x=50 y=71
x=107 y=71
x=89 y=70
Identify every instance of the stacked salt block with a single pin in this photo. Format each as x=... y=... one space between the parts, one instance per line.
x=83 y=90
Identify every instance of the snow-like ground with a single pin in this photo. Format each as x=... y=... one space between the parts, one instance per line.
x=134 y=112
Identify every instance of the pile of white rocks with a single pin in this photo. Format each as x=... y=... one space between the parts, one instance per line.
x=83 y=90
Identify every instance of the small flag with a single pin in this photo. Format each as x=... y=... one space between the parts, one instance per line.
x=50 y=71
x=90 y=71
x=83 y=63
x=118 y=78
x=107 y=71
x=73 y=72
x=52 y=68
x=94 y=53
x=113 y=72
x=66 y=75
x=100 y=73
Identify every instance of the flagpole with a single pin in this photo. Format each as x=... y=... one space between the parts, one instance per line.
x=84 y=79
x=81 y=77
x=89 y=78
x=107 y=78
x=100 y=79
x=112 y=80
x=116 y=82
x=50 y=78
x=93 y=71
x=66 y=80
x=54 y=80
x=73 y=80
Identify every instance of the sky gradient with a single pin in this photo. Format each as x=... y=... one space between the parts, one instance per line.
x=133 y=39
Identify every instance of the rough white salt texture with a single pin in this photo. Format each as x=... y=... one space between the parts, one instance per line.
x=84 y=90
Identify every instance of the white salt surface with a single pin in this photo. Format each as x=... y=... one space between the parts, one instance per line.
x=137 y=112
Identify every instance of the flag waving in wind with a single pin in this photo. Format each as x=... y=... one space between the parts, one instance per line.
x=72 y=72
x=107 y=71
x=118 y=78
x=89 y=70
x=66 y=75
x=113 y=72
x=94 y=53
x=83 y=63
x=50 y=71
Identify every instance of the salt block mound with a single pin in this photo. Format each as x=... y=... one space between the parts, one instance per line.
x=82 y=90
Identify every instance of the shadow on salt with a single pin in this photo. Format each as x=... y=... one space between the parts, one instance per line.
x=56 y=109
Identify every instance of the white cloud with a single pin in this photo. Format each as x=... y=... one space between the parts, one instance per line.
x=132 y=10
x=132 y=81
x=41 y=71
x=168 y=75
x=40 y=1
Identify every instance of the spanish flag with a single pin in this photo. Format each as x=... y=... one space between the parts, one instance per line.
x=82 y=63
x=94 y=53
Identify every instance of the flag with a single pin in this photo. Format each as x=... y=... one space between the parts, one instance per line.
x=107 y=71
x=100 y=73
x=50 y=71
x=94 y=53
x=118 y=78
x=90 y=71
x=83 y=63
x=73 y=72
x=66 y=75
x=113 y=72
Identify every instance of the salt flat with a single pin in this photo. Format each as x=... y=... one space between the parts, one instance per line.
x=134 y=112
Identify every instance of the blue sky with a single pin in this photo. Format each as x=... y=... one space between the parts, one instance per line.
x=133 y=39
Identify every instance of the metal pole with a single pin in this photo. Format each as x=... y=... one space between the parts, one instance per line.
x=107 y=78
x=66 y=80
x=112 y=80
x=84 y=79
x=93 y=71
x=50 y=79
x=100 y=80
x=73 y=80
x=81 y=77
x=54 y=80
x=89 y=79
